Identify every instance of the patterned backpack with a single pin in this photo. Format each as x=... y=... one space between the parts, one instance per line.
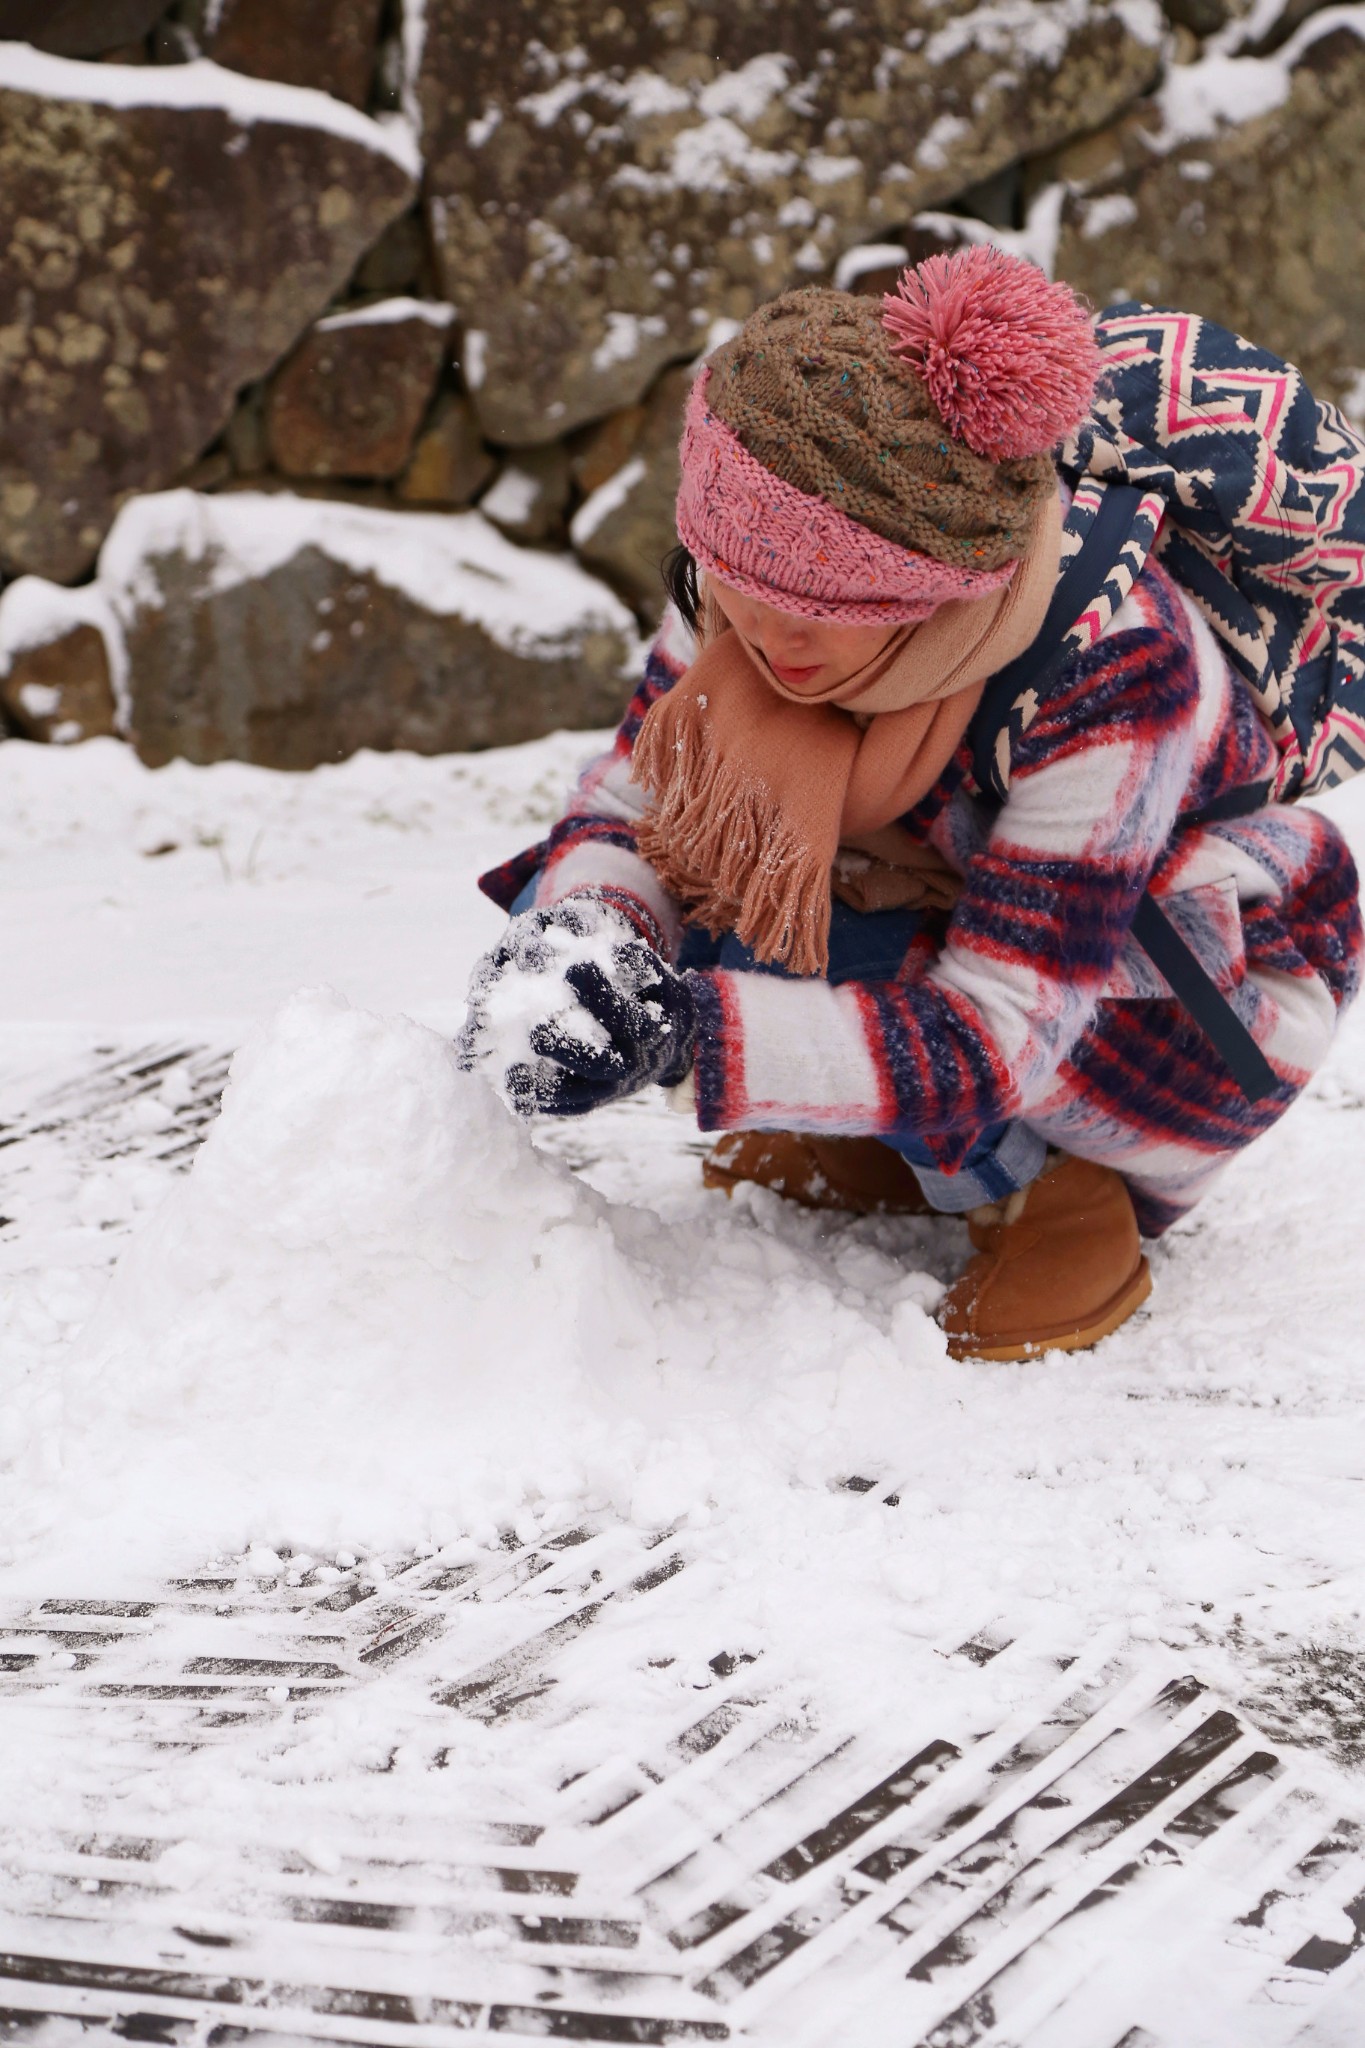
x=1213 y=455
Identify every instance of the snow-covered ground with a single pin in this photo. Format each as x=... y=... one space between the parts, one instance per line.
x=379 y=1334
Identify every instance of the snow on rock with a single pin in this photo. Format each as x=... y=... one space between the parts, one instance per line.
x=512 y=498
x=63 y=668
x=625 y=527
x=204 y=84
x=351 y=398
x=450 y=563
x=34 y=613
x=1222 y=90
x=373 y=1309
x=381 y=312
x=319 y=628
x=606 y=499
x=855 y=263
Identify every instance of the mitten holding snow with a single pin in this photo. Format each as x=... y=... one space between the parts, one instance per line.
x=573 y=1009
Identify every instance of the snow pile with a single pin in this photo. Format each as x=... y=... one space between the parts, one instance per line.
x=374 y=1314
x=366 y=1267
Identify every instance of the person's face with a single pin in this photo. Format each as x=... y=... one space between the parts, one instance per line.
x=804 y=654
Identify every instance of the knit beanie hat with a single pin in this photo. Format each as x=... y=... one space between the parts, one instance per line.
x=862 y=463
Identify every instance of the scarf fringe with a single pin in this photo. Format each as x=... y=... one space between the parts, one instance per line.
x=718 y=842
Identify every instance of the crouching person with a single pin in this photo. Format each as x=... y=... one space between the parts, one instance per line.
x=789 y=895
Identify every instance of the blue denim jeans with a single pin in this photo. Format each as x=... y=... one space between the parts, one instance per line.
x=870 y=945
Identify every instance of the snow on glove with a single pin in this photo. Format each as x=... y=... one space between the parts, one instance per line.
x=573 y=1009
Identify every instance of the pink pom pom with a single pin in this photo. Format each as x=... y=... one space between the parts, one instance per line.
x=1010 y=360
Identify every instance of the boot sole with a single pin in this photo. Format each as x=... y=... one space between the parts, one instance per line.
x=836 y=1201
x=1108 y=1319
x=717 y=1177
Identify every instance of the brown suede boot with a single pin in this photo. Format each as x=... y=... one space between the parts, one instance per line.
x=858 y=1175
x=1058 y=1266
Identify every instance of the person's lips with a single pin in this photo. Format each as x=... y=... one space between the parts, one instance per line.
x=794 y=676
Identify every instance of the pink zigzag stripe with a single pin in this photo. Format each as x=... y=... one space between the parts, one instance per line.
x=1176 y=330
x=1259 y=380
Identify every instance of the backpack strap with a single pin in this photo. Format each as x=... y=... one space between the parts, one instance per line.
x=1005 y=707
x=1202 y=999
x=1008 y=704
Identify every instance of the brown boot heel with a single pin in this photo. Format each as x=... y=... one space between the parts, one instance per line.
x=1060 y=1272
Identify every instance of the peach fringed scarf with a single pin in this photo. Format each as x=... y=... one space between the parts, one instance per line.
x=761 y=791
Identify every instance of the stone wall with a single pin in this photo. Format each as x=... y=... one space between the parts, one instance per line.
x=446 y=269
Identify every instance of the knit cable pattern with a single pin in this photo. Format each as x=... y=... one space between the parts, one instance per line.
x=763 y=536
x=813 y=388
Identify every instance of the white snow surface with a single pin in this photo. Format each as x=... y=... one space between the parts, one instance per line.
x=204 y=84
x=378 y=1312
x=452 y=563
x=380 y=1317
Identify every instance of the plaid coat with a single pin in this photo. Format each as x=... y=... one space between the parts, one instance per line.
x=1032 y=1000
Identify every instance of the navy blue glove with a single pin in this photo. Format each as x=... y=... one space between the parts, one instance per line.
x=613 y=1016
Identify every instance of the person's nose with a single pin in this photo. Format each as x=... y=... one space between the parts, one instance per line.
x=787 y=645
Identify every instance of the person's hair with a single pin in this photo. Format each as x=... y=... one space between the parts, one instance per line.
x=679 y=571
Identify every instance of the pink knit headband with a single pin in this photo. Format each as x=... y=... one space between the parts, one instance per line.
x=762 y=536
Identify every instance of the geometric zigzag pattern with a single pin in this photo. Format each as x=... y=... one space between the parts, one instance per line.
x=1123 y=1861
x=1262 y=489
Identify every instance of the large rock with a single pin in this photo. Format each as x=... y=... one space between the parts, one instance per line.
x=291 y=632
x=627 y=526
x=169 y=232
x=331 y=44
x=601 y=183
x=349 y=400
x=450 y=464
x=1258 y=223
